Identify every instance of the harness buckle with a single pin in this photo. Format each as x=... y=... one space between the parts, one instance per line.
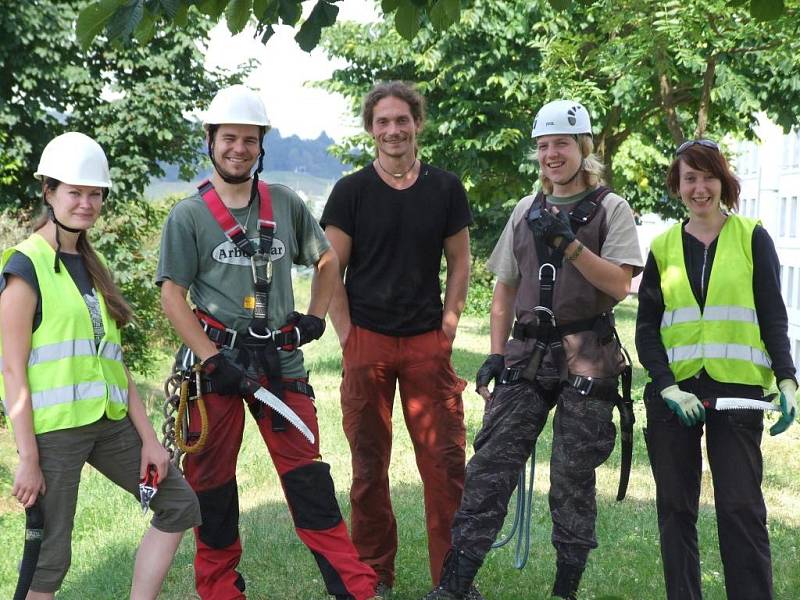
x=584 y=385
x=260 y=260
x=552 y=268
x=265 y=336
x=548 y=314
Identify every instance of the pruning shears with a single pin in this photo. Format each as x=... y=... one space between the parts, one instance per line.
x=148 y=487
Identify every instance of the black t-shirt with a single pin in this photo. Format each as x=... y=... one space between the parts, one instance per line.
x=21 y=265
x=392 y=278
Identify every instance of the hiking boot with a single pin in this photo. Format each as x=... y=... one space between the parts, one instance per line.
x=455 y=583
x=473 y=593
x=568 y=577
x=383 y=591
x=439 y=593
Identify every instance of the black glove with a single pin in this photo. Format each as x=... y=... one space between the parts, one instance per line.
x=550 y=227
x=226 y=378
x=492 y=368
x=310 y=327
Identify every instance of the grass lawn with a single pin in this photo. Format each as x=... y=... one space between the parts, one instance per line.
x=277 y=567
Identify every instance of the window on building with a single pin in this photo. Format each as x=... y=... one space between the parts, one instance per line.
x=789 y=286
x=793 y=218
x=782 y=227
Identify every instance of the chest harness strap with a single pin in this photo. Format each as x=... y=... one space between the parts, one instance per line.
x=260 y=342
x=550 y=261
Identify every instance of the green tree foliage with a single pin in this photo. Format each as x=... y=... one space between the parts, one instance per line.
x=651 y=72
x=132 y=99
x=141 y=18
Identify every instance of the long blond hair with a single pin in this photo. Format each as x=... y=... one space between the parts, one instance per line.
x=592 y=168
x=117 y=306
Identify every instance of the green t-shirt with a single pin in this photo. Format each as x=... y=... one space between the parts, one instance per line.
x=195 y=254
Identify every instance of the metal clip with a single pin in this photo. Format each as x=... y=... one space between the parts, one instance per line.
x=260 y=260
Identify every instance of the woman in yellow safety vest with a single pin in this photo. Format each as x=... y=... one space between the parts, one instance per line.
x=66 y=390
x=712 y=325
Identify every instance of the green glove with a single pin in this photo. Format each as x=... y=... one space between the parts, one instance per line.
x=788 y=390
x=687 y=406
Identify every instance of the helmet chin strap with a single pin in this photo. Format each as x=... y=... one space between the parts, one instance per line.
x=52 y=216
x=571 y=179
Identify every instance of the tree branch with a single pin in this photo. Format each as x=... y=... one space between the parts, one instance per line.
x=705 y=97
x=673 y=122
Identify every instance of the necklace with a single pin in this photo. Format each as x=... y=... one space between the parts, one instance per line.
x=246 y=219
x=397 y=175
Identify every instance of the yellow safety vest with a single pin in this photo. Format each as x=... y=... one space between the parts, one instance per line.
x=724 y=338
x=72 y=380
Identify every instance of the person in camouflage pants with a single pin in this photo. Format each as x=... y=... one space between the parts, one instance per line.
x=563 y=352
x=583 y=438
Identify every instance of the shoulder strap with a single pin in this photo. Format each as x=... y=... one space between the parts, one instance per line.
x=585 y=210
x=231 y=227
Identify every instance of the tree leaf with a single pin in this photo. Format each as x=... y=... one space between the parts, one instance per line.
x=268 y=33
x=388 y=6
x=453 y=8
x=290 y=12
x=238 y=14
x=182 y=16
x=322 y=15
x=560 y=5
x=259 y=8
x=438 y=15
x=406 y=20
x=146 y=28
x=93 y=19
x=212 y=8
x=766 y=10
x=125 y=19
x=171 y=7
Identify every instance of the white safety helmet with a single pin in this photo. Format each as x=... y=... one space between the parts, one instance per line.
x=561 y=117
x=236 y=104
x=76 y=159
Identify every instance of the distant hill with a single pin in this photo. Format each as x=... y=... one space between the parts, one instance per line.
x=288 y=154
x=314 y=190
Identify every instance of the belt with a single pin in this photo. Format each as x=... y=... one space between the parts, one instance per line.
x=300 y=386
x=225 y=337
x=586 y=386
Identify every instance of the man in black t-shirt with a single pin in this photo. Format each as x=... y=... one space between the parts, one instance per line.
x=390 y=223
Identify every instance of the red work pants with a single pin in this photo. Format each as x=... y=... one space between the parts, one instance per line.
x=430 y=393
x=306 y=483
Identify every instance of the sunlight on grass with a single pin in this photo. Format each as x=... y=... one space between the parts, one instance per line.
x=277 y=566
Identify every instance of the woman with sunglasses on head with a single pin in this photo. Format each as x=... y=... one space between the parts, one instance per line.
x=69 y=396
x=712 y=324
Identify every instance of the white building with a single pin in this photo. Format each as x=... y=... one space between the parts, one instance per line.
x=770 y=175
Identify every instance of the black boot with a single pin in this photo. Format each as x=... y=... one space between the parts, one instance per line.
x=458 y=571
x=568 y=577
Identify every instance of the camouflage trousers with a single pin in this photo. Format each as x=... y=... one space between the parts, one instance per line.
x=583 y=438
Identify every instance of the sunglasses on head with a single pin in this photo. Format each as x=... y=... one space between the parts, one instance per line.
x=688 y=144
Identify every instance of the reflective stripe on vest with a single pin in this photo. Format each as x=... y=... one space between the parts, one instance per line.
x=73 y=381
x=724 y=338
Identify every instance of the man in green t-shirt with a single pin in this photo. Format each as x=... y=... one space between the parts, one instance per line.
x=231 y=248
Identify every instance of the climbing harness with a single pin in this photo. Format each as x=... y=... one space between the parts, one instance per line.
x=548 y=334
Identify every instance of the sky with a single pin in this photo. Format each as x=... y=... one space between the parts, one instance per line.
x=283 y=69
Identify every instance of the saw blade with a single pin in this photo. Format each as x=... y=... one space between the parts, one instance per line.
x=744 y=403
x=265 y=396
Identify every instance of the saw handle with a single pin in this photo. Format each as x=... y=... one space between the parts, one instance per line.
x=34 y=526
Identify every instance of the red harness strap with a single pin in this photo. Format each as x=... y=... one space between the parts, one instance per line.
x=231 y=227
